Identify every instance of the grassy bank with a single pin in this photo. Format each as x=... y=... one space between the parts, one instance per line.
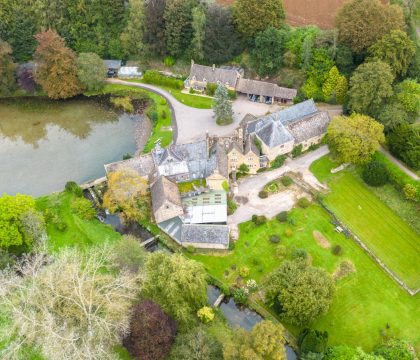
x=380 y=228
x=364 y=302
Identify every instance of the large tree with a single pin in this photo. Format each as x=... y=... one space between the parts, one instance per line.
x=7 y=69
x=252 y=17
x=266 y=57
x=354 y=138
x=73 y=306
x=370 y=86
x=56 y=69
x=221 y=42
x=152 y=332
x=396 y=49
x=91 y=71
x=155 y=23
x=133 y=36
x=264 y=342
x=222 y=106
x=362 y=22
x=199 y=33
x=177 y=284
x=404 y=143
x=178 y=25
x=299 y=292
x=127 y=192
x=407 y=93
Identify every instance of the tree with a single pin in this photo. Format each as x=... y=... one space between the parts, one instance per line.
x=344 y=352
x=354 y=138
x=407 y=93
x=196 y=344
x=252 y=17
x=56 y=69
x=370 y=85
x=128 y=254
x=127 y=192
x=299 y=292
x=266 y=57
x=243 y=168
x=7 y=69
x=392 y=115
x=177 y=284
x=26 y=79
x=264 y=342
x=152 y=332
x=132 y=38
x=363 y=22
x=222 y=106
x=375 y=173
x=335 y=86
x=178 y=26
x=91 y=71
x=404 y=143
x=12 y=208
x=33 y=227
x=221 y=42
x=199 y=27
x=410 y=192
x=395 y=349
x=205 y=314
x=395 y=49
x=73 y=306
x=313 y=341
x=155 y=22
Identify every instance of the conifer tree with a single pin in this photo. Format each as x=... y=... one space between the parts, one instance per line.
x=222 y=106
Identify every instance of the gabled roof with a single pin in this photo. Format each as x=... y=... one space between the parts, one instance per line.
x=250 y=146
x=297 y=111
x=218 y=161
x=273 y=133
x=164 y=189
x=234 y=146
x=263 y=88
x=143 y=165
x=214 y=74
x=310 y=126
x=206 y=234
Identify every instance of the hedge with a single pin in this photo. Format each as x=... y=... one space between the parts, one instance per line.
x=153 y=77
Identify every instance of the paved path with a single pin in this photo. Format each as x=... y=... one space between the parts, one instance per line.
x=399 y=164
x=250 y=186
x=193 y=123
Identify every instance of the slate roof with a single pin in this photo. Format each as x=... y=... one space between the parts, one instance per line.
x=250 y=146
x=164 y=189
x=263 y=88
x=218 y=161
x=273 y=133
x=234 y=145
x=113 y=64
x=297 y=111
x=310 y=126
x=206 y=234
x=214 y=75
x=143 y=165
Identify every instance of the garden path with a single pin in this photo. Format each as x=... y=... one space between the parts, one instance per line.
x=399 y=164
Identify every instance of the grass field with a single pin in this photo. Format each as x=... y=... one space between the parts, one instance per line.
x=364 y=301
x=382 y=230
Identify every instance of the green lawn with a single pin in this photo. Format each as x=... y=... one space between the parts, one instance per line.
x=364 y=302
x=381 y=229
x=79 y=232
x=195 y=101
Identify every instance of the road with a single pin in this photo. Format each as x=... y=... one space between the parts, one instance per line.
x=250 y=186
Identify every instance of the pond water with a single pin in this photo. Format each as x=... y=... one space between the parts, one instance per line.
x=45 y=143
x=240 y=316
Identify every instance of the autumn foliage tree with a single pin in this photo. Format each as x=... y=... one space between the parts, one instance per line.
x=56 y=69
x=152 y=332
x=354 y=138
x=127 y=192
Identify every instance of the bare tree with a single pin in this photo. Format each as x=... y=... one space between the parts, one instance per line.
x=74 y=306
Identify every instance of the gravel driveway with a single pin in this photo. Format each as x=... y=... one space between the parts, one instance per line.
x=250 y=186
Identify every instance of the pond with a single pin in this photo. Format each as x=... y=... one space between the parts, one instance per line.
x=45 y=143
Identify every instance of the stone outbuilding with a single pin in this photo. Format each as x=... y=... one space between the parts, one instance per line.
x=166 y=200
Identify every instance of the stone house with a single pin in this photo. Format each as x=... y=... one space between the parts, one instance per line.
x=248 y=154
x=166 y=199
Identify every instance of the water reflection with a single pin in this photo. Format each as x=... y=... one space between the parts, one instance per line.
x=27 y=119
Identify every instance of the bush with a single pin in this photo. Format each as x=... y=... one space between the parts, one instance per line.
x=297 y=150
x=299 y=254
x=345 y=268
x=303 y=203
x=190 y=249
x=337 y=250
x=83 y=208
x=169 y=61
x=288 y=232
x=278 y=161
x=205 y=314
x=127 y=156
x=252 y=285
x=243 y=271
x=232 y=94
x=240 y=296
x=281 y=251
x=163 y=114
x=231 y=205
x=375 y=174
x=282 y=216
x=211 y=89
x=314 y=341
x=286 y=180
x=152 y=114
x=123 y=103
x=162 y=101
x=153 y=77
x=191 y=91
x=72 y=188
x=59 y=224
x=263 y=194
x=404 y=143
x=274 y=239
x=410 y=192
x=259 y=219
